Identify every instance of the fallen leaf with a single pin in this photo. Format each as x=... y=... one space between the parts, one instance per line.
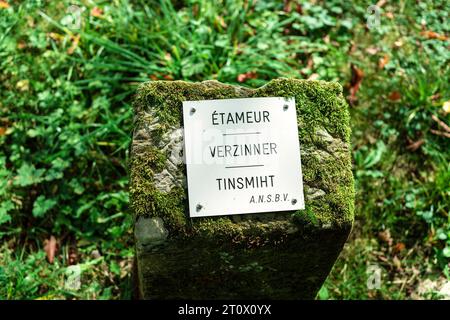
x=73 y=255
x=2 y=131
x=446 y=107
x=21 y=45
x=75 y=40
x=415 y=145
x=245 y=76
x=383 y=61
x=398 y=43
x=381 y=3
x=96 y=12
x=433 y=35
x=355 y=82
x=435 y=97
x=397 y=263
x=394 y=96
x=23 y=85
x=423 y=23
x=287 y=6
x=372 y=50
x=50 y=247
x=390 y=15
x=385 y=236
x=4 y=4
x=95 y=254
x=353 y=47
x=221 y=22
x=314 y=76
x=399 y=247
x=55 y=36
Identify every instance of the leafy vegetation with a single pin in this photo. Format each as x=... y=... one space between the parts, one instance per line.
x=70 y=68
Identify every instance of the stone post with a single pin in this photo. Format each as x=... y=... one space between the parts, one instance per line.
x=281 y=255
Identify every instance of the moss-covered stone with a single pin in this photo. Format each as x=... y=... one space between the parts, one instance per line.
x=269 y=255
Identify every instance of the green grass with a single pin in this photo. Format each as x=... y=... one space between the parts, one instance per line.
x=66 y=123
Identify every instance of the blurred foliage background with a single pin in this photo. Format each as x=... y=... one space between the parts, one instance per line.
x=68 y=70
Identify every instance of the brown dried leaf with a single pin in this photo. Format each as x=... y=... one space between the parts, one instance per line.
x=245 y=76
x=433 y=35
x=4 y=4
x=397 y=263
x=355 y=82
x=394 y=96
x=75 y=40
x=372 y=50
x=399 y=247
x=221 y=22
x=383 y=61
x=96 y=12
x=287 y=6
x=385 y=236
x=436 y=96
x=73 y=255
x=2 y=131
x=21 y=44
x=55 y=36
x=50 y=247
x=310 y=63
x=415 y=145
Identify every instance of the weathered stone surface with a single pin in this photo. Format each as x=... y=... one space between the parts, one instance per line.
x=149 y=232
x=283 y=255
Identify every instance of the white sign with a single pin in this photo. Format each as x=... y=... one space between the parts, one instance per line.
x=242 y=156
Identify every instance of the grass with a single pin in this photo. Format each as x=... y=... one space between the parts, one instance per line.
x=66 y=122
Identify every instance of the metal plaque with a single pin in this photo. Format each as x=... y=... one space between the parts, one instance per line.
x=242 y=156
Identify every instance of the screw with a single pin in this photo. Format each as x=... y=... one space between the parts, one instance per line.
x=193 y=110
x=285 y=107
x=199 y=207
x=294 y=201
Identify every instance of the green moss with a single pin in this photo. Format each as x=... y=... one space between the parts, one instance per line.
x=320 y=106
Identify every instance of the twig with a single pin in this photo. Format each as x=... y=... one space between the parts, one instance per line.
x=440 y=133
x=441 y=123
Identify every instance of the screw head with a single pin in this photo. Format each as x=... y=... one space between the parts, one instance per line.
x=285 y=107
x=193 y=110
x=294 y=201
x=199 y=207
